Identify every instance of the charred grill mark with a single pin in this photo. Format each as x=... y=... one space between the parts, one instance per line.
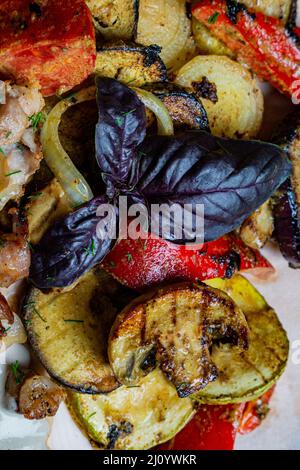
x=206 y=89
x=116 y=431
x=149 y=362
x=234 y=8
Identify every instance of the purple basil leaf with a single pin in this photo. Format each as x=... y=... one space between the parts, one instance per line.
x=231 y=178
x=71 y=247
x=120 y=129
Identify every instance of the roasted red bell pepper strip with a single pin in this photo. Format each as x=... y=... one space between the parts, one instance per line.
x=260 y=41
x=255 y=412
x=144 y=263
x=48 y=43
x=212 y=428
x=216 y=427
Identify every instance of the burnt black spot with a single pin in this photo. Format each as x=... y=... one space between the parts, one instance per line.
x=234 y=8
x=151 y=54
x=36 y=9
x=234 y=264
x=206 y=89
x=149 y=363
x=115 y=431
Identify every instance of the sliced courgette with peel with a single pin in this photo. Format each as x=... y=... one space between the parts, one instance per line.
x=174 y=327
x=115 y=18
x=133 y=418
x=186 y=111
x=68 y=330
x=130 y=63
x=246 y=376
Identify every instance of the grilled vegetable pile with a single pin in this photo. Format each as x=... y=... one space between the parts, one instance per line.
x=151 y=339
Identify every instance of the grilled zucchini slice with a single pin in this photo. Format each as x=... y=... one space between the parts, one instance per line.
x=185 y=110
x=245 y=377
x=239 y=375
x=231 y=96
x=68 y=330
x=133 y=418
x=175 y=327
x=131 y=64
x=115 y=18
x=165 y=22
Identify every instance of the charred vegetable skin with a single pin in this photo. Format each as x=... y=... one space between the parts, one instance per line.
x=69 y=331
x=231 y=178
x=38 y=37
x=260 y=41
x=146 y=263
x=185 y=110
x=175 y=328
x=286 y=203
x=130 y=63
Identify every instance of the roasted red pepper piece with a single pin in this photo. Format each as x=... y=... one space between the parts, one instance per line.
x=48 y=43
x=212 y=428
x=216 y=427
x=260 y=41
x=255 y=412
x=144 y=263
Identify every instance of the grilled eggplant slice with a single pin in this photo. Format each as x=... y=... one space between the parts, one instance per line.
x=115 y=18
x=68 y=330
x=286 y=205
x=259 y=227
x=245 y=377
x=133 y=418
x=231 y=96
x=165 y=22
x=175 y=327
x=131 y=64
x=185 y=110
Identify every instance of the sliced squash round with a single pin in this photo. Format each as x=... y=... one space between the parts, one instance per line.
x=68 y=330
x=230 y=95
x=133 y=418
x=246 y=376
x=174 y=327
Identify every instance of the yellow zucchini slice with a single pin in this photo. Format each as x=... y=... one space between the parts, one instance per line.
x=69 y=329
x=230 y=94
x=165 y=22
x=245 y=377
x=115 y=18
x=207 y=42
x=133 y=418
x=174 y=327
x=130 y=63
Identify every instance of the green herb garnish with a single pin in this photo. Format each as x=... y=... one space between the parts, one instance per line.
x=17 y=373
x=37 y=119
x=213 y=18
